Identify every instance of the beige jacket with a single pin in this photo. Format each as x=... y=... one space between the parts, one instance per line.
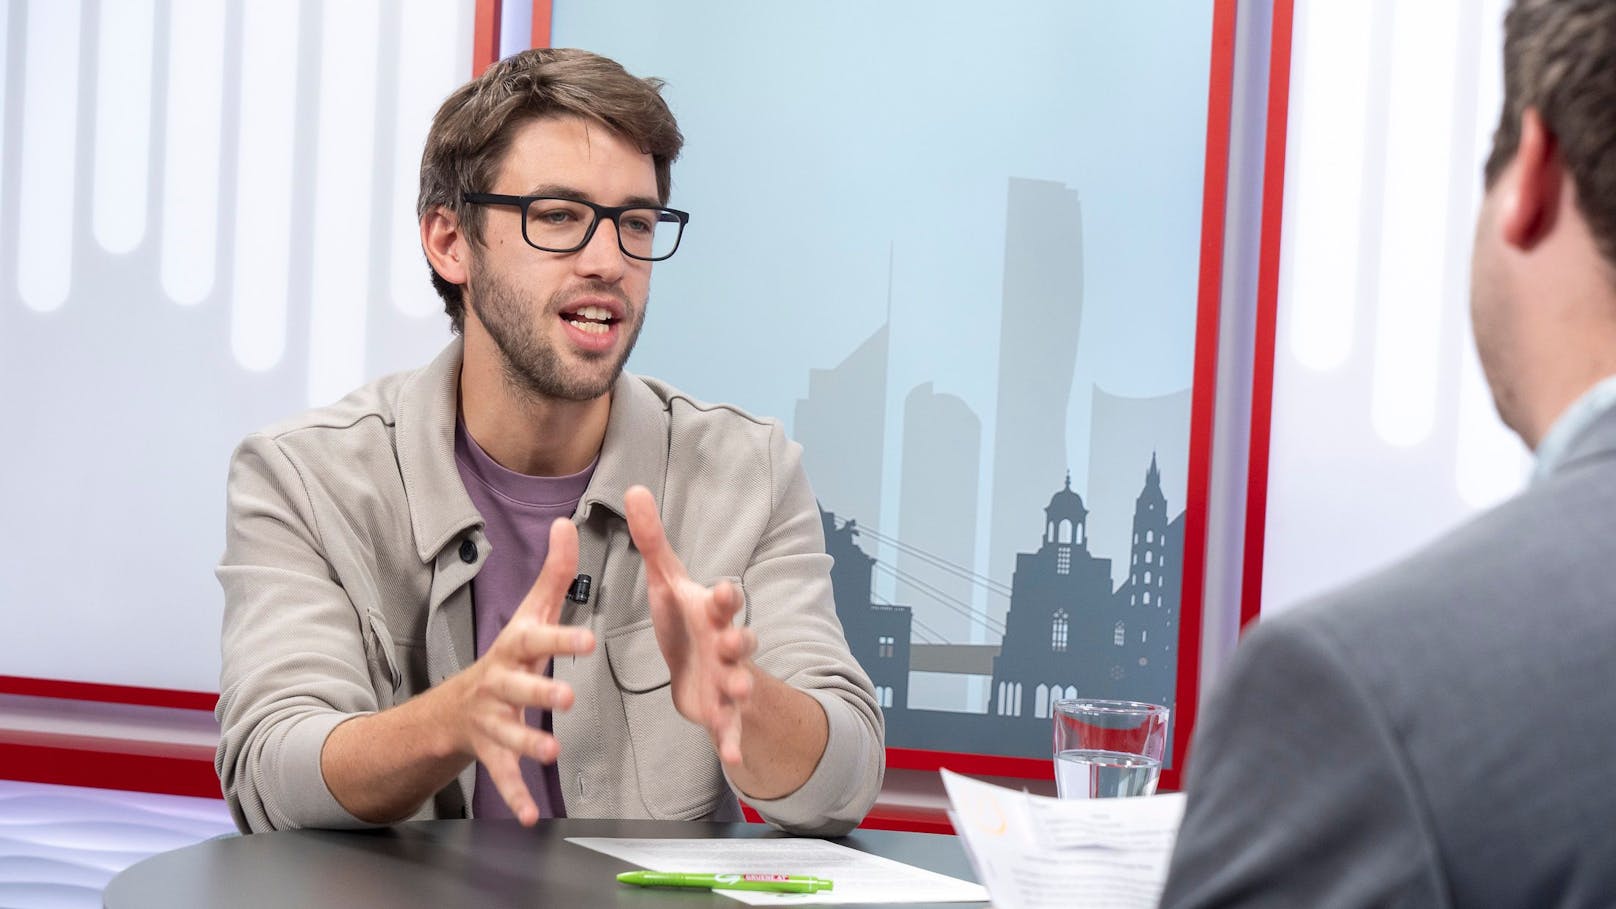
x=348 y=589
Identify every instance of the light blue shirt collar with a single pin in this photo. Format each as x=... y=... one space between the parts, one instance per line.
x=1583 y=411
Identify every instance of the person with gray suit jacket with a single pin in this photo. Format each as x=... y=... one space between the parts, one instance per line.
x=1443 y=732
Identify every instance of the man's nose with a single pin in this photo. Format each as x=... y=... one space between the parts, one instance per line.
x=602 y=257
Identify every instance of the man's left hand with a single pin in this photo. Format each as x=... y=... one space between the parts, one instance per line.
x=709 y=658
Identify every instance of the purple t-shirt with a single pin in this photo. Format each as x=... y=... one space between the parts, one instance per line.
x=518 y=510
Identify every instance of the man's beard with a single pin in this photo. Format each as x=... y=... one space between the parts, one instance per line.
x=531 y=363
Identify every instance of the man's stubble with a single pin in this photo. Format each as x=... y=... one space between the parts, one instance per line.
x=530 y=361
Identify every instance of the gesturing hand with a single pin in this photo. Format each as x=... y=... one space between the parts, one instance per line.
x=710 y=659
x=510 y=677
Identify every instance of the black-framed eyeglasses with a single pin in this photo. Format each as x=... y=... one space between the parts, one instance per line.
x=559 y=225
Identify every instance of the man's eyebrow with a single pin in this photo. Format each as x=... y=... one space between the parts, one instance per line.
x=558 y=191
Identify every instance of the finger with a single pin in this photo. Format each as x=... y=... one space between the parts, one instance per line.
x=504 y=735
x=727 y=602
x=729 y=742
x=529 y=689
x=738 y=686
x=736 y=644
x=544 y=598
x=645 y=528
x=527 y=640
x=507 y=776
x=717 y=715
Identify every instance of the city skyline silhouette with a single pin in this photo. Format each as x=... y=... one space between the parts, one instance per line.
x=1068 y=633
x=950 y=552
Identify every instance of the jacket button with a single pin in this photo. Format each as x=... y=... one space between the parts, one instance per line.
x=468 y=551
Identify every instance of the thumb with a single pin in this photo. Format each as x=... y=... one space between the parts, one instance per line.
x=543 y=600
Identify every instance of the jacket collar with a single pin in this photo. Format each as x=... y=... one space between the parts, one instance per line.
x=635 y=450
x=440 y=509
x=1589 y=432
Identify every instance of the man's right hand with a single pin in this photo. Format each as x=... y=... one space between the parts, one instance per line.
x=380 y=767
x=494 y=692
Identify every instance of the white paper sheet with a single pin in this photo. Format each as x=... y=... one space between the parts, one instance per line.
x=858 y=876
x=1033 y=851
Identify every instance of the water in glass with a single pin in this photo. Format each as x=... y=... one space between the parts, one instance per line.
x=1087 y=773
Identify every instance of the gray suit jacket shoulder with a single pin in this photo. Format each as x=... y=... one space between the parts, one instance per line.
x=1439 y=734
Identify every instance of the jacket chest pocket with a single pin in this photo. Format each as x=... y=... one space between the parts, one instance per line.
x=674 y=762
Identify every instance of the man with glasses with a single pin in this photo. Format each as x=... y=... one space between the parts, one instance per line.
x=392 y=647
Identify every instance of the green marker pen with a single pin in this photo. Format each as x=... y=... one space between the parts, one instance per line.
x=778 y=883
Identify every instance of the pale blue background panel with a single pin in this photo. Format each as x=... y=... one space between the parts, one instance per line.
x=856 y=174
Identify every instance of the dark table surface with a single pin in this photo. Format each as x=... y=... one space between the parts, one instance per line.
x=456 y=863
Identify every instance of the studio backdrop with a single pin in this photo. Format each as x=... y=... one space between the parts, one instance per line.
x=968 y=254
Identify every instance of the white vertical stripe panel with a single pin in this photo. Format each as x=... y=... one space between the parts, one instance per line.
x=5 y=147
x=1414 y=226
x=263 y=208
x=191 y=166
x=342 y=203
x=1489 y=84
x=123 y=122
x=1490 y=461
x=49 y=142
x=429 y=68
x=515 y=27
x=1322 y=217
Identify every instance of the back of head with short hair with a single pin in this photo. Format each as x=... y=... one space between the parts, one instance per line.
x=473 y=130
x=1560 y=59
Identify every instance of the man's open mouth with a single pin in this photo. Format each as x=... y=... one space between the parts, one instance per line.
x=594 y=320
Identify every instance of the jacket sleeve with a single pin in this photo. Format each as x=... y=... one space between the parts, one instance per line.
x=293 y=651
x=800 y=641
x=1299 y=792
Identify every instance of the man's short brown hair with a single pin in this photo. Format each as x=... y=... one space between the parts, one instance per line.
x=473 y=130
x=1560 y=60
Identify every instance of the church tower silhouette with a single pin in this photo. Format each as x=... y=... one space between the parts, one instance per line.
x=1145 y=580
x=1061 y=604
x=1148 y=627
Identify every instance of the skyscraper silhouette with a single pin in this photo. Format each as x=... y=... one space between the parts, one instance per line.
x=937 y=502
x=942 y=441
x=1041 y=313
x=842 y=426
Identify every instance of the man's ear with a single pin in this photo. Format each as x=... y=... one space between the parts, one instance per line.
x=445 y=245
x=1534 y=180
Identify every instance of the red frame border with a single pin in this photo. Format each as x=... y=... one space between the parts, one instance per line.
x=540 y=36
x=485 y=36
x=485 y=43
x=1262 y=365
x=108 y=694
x=60 y=765
x=70 y=760
x=181 y=775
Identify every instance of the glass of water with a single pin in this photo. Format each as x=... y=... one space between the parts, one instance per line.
x=1107 y=749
